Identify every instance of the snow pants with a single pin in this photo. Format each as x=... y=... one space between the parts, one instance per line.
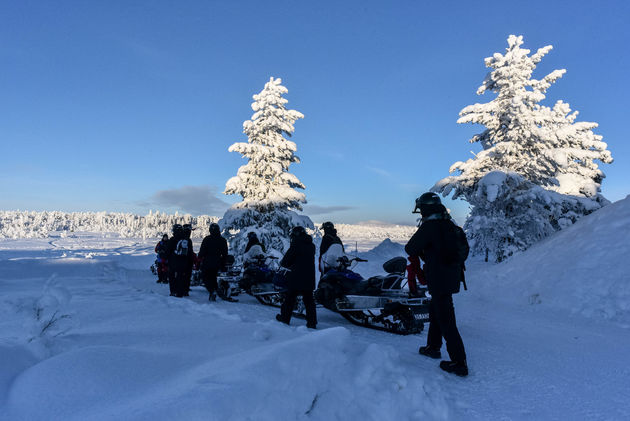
x=178 y=283
x=163 y=271
x=187 y=279
x=442 y=325
x=289 y=304
x=209 y=277
x=171 y=281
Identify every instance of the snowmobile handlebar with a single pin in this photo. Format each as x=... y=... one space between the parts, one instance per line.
x=346 y=262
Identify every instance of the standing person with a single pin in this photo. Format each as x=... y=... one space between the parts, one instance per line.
x=180 y=257
x=190 y=262
x=300 y=260
x=330 y=237
x=170 y=255
x=162 y=263
x=443 y=247
x=212 y=253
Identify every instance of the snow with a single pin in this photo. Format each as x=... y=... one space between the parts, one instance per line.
x=546 y=334
x=582 y=268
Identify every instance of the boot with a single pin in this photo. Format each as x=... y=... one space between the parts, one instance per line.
x=430 y=352
x=280 y=319
x=459 y=368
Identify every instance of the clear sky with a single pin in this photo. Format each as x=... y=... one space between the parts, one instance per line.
x=132 y=105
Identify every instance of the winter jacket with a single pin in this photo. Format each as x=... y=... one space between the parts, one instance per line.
x=171 y=245
x=442 y=276
x=213 y=252
x=328 y=240
x=162 y=250
x=300 y=260
x=178 y=262
x=252 y=242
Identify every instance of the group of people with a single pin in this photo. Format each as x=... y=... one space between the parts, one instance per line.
x=438 y=242
x=176 y=259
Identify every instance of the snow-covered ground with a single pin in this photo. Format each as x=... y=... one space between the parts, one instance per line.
x=86 y=333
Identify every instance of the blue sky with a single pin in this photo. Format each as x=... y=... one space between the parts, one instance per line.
x=131 y=106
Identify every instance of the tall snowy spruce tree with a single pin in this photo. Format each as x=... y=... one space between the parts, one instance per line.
x=536 y=173
x=264 y=183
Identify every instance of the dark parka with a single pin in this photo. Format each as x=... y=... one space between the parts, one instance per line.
x=429 y=242
x=253 y=242
x=330 y=238
x=213 y=251
x=177 y=262
x=300 y=259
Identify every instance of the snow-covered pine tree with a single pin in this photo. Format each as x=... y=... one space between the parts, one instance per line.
x=532 y=145
x=264 y=183
x=578 y=177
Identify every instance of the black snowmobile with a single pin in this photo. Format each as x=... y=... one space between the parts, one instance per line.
x=227 y=279
x=379 y=302
x=267 y=283
x=262 y=281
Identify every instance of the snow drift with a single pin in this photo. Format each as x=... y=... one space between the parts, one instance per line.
x=580 y=269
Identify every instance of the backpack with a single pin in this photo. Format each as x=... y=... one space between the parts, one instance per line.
x=455 y=249
x=182 y=248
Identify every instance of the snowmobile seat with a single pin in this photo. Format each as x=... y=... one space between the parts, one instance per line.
x=392 y=281
x=370 y=286
x=395 y=265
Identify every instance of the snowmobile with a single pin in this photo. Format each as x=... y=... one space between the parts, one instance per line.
x=262 y=281
x=379 y=302
x=267 y=283
x=227 y=279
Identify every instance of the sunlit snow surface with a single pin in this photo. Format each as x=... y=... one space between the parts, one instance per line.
x=539 y=344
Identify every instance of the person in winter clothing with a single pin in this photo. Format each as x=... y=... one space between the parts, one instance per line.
x=252 y=240
x=190 y=263
x=439 y=243
x=330 y=237
x=162 y=263
x=255 y=255
x=300 y=262
x=212 y=253
x=180 y=258
x=170 y=253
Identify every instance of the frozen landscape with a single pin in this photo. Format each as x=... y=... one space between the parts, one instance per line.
x=86 y=333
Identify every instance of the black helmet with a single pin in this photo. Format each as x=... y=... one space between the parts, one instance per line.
x=297 y=231
x=215 y=229
x=187 y=227
x=429 y=198
x=327 y=226
x=165 y=237
x=177 y=228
